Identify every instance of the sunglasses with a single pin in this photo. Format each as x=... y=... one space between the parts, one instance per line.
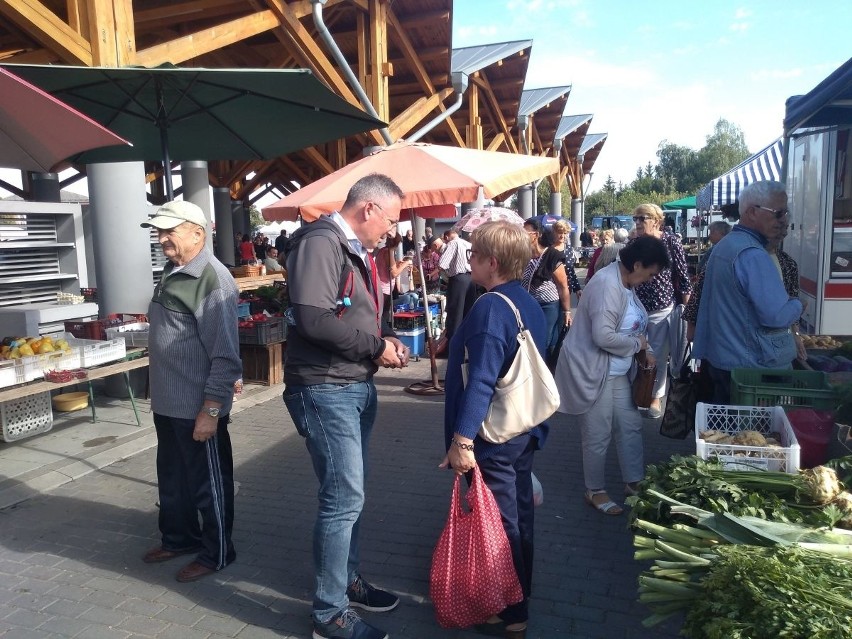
x=639 y=218
x=778 y=213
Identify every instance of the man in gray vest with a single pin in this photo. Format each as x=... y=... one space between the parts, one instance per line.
x=195 y=360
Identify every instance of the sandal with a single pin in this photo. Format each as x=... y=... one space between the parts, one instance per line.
x=631 y=489
x=607 y=507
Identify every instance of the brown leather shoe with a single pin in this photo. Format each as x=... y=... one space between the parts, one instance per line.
x=193 y=571
x=160 y=554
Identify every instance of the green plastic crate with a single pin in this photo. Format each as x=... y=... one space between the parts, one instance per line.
x=781 y=387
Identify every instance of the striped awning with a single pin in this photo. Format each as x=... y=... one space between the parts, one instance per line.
x=725 y=189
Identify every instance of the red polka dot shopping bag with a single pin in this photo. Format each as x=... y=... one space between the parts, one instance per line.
x=472 y=575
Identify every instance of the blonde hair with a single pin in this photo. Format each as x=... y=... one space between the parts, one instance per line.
x=507 y=243
x=608 y=234
x=560 y=226
x=649 y=210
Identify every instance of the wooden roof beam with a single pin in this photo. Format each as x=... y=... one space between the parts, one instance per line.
x=207 y=40
x=417 y=112
x=412 y=57
x=496 y=141
x=306 y=50
x=426 y=19
x=497 y=112
x=41 y=24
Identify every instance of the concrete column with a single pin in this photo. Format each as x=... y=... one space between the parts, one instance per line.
x=122 y=249
x=525 y=201
x=196 y=189
x=44 y=187
x=577 y=219
x=556 y=203
x=224 y=226
x=117 y=206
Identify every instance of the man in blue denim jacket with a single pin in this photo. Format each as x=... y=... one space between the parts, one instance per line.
x=745 y=314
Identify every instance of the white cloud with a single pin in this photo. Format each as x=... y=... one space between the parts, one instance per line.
x=740 y=26
x=761 y=75
x=743 y=13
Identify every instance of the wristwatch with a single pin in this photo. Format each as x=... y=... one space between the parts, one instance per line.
x=213 y=412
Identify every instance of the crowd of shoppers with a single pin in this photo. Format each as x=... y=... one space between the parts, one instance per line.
x=743 y=311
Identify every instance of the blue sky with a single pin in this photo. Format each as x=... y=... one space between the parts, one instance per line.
x=664 y=69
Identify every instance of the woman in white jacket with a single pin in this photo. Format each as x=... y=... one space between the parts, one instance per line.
x=596 y=365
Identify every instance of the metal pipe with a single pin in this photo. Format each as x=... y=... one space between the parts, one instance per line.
x=344 y=65
x=460 y=82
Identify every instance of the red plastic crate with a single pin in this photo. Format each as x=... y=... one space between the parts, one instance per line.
x=96 y=329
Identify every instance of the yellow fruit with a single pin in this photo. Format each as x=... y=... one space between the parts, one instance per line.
x=35 y=344
x=45 y=347
x=26 y=350
x=47 y=338
x=15 y=353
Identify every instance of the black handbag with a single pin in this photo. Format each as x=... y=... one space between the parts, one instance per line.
x=685 y=391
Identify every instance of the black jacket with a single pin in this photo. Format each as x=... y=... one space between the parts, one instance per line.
x=329 y=340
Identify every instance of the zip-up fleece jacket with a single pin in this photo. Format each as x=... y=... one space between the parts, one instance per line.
x=194 y=344
x=329 y=341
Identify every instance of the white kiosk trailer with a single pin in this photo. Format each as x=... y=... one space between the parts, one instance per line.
x=818 y=170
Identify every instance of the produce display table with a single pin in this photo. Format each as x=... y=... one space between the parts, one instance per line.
x=252 y=283
x=99 y=372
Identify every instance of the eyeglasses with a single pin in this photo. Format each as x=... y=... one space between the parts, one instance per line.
x=470 y=253
x=391 y=223
x=639 y=218
x=778 y=213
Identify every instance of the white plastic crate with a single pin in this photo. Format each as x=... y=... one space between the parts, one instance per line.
x=733 y=419
x=35 y=366
x=27 y=416
x=94 y=352
x=135 y=334
x=11 y=372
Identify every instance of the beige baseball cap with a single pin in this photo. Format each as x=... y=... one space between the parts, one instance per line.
x=176 y=212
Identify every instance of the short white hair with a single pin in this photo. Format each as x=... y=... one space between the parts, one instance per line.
x=759 y=193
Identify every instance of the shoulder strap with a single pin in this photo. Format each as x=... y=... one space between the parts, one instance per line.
x=513 y=307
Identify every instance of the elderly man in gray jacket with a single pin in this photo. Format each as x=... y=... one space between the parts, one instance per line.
x=195 y=360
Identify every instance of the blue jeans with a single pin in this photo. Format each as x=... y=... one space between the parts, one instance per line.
x=553 y=322
x=336 y=421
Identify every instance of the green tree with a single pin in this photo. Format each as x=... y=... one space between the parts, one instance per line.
x=725 y=148
x=677 y=166
x=255 y=219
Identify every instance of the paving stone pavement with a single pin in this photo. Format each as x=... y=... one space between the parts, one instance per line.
x=70 y=556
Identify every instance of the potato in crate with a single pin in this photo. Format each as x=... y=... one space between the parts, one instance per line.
x=747 y=437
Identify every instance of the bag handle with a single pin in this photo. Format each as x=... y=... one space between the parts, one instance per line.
x=474 y=493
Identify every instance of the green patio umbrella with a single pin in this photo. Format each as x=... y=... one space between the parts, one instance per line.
x=683 y=203
x=173 y=114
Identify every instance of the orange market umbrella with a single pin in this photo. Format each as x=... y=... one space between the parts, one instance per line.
x=37 y=131
x=428 y=174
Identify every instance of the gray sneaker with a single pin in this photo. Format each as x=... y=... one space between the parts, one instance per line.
x=364 y=596
x=347 y=625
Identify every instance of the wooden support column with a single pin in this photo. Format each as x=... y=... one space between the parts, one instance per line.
x=474 y=122
x=111 y=32
x=377 y=56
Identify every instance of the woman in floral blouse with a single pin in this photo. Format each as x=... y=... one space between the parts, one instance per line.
x=659 y=296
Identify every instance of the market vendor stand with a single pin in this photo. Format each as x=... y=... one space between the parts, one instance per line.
x=28 y=425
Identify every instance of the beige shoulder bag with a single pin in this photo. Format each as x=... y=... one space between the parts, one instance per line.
x=525 y=396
